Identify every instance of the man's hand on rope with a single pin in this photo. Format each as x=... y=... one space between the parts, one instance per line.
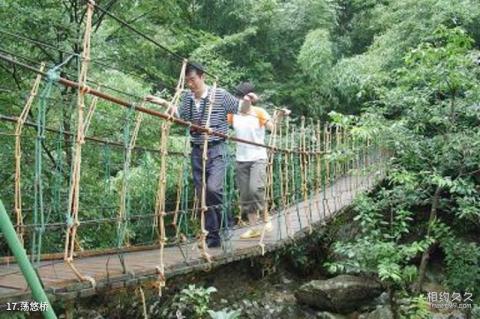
x=162 y=102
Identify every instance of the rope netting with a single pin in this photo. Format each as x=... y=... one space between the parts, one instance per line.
x=116 y=174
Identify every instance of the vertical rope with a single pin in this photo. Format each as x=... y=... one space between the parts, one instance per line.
x=318 y=177
x=162 y=179
x=74 y=194
x=295 y=189
x=144 y=303
x=124 y=209
x=181 y=204
x=339 y=160
x=18 y=154
x=38 y=211
x=281 y=187
x=303 y=172
x=328 y=151
x=357 y=163
x=350 y=163
x=286 y=194
x=203 y=196
x=311 y=172
x=56 y=190
x=268 y=195
x=228 y=198
x=88 y=117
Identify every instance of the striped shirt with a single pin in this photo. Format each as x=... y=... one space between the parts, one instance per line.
x=224 y=103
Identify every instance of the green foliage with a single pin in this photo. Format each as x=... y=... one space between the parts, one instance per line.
x=316 y=56
x=12 y=315
x=225 y=314
x=416 y=307
x=379 y=249
x=462 y=261
x=192 y=302
x=423 y=113
x=305 y=255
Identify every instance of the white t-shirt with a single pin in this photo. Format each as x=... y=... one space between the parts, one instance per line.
x=250 y=127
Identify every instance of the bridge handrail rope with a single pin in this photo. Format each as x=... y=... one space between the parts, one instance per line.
x=69 y=52
x=90 y=81
x=121 y=102
x=18 y=154
x=14 y=119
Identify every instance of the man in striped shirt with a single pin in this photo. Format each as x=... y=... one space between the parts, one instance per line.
x=194 y=108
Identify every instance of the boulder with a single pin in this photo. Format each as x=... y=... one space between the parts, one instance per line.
x=342 y=294
x=382 y=312
x=328 y=315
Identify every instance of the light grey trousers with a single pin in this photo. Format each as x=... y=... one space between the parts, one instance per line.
x=251 y=179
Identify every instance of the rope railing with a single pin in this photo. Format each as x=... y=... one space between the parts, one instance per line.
x=155 y=113
x=96 y=61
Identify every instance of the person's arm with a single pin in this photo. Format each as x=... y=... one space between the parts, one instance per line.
x=277 y=118
x=232 y=104
x=181 y=112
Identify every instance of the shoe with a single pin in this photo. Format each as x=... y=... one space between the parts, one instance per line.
x=268 y=227
x=251 y=233
x=213 y=243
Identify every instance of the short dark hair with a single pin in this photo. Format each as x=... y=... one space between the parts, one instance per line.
x=194 y=67
x=244 y=88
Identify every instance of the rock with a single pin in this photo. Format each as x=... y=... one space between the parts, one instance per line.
x=342 y=294
x=454 y=314
x=328 y=315
x=382 y=312
x=286 y=281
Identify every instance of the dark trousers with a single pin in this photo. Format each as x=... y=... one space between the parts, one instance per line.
x=215 y=174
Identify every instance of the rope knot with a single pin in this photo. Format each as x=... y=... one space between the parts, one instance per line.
x=84 y=89
x=53 y=75
x=69 y=221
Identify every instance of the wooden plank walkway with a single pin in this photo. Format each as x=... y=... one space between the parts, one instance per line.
x=60 y=282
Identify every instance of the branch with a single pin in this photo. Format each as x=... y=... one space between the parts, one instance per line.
x=49 y=56
x=122 y=26
x=13 y=74
x=98 y=22
x=422 y=269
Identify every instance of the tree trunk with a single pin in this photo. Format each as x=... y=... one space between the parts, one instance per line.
x=426 y=254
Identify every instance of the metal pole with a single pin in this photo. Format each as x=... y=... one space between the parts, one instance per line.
x=21 y=257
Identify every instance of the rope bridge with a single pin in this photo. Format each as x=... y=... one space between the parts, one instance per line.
x=94 y=185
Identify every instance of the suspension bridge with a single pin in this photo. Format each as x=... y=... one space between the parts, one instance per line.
x=99 y=204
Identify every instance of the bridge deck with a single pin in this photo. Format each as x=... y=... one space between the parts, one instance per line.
x=61 y=283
